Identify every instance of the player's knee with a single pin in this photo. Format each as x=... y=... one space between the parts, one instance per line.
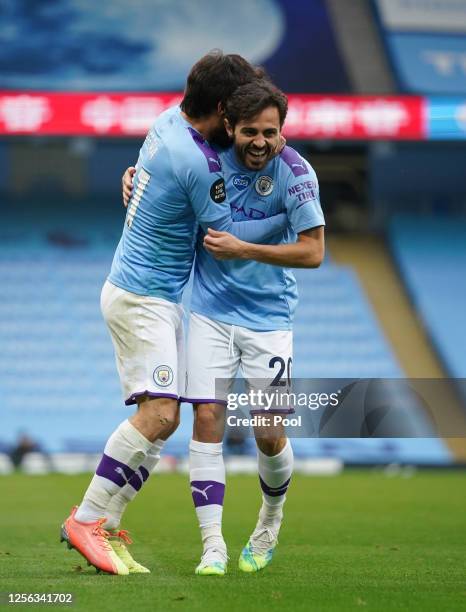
x=209 y=422
x=175 y=423
x=207 y=415
x=271 y=446
x=156 y=416
x=170 y=420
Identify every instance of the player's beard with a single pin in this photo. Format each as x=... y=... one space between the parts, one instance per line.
x=220 y=138
x=249 y=161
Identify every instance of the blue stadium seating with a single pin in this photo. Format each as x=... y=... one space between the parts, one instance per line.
x=57 y=375
x=431 y=253
x=336 y=332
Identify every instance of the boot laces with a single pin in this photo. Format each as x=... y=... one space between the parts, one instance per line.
x=214 y=554
x=123 y=534
x=102 y=535
x=262 y=540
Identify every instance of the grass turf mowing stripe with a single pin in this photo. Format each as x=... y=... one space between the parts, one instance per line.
x=355 y=541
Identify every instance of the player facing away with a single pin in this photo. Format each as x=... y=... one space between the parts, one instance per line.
x=242 y=314
x=179 y=184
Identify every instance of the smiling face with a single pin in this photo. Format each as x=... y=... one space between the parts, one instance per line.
x=256 y=140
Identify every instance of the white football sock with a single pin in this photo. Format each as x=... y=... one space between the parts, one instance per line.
x=118 y=502
x=274 y=474
x=125 y=450
x=207 y=476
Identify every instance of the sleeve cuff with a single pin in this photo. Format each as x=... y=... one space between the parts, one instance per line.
x=308 y=226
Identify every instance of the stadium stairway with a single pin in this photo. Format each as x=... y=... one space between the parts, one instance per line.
x=363 y=52
x=431 y=254
x=408 y=329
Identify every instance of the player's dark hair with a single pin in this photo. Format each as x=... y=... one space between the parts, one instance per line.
x=252 y=98
x=213 y=79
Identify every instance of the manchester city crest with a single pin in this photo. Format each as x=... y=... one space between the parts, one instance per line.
x=264 y=185
x=163 y=376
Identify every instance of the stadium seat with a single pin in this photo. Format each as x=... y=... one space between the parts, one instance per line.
x=56 y=349
x=431 y=254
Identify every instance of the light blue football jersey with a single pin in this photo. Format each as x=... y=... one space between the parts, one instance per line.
x=250 y=294
x=178 y=182
x=178 y=185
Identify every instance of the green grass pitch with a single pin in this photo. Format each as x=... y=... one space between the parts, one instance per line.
x=359 y=541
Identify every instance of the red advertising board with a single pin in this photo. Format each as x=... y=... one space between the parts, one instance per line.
x=356 y=117
x=309 y=116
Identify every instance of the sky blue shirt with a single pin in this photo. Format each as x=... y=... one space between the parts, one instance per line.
x=250 y=294
x=179 y=183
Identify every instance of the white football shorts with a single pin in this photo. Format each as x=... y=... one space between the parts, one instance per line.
x=148 y=338
x=217 y=350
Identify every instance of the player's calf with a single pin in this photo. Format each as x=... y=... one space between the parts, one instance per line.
x=207 y=476
x=274 y=477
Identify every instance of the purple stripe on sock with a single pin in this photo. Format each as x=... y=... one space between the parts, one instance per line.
x=114 y=470
x=139 y=478
x=274 y=491
x=144 y=473
x=207 y=492
x=135 y=481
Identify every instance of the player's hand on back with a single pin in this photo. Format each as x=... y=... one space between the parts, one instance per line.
x=127 y=184
x=280 y=146
x=223 y=245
